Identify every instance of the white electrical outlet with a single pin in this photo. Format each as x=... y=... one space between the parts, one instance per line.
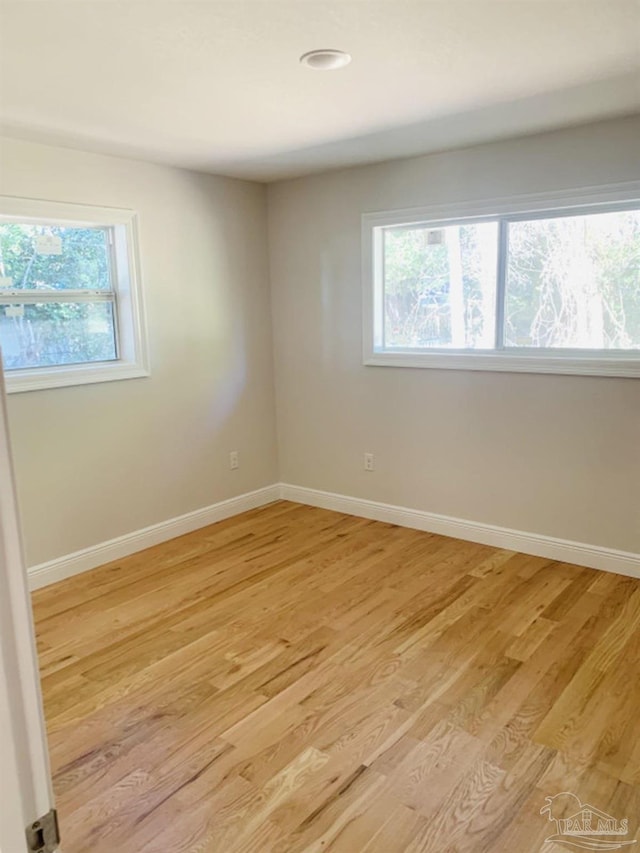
x=369 y=462
x=234 y=460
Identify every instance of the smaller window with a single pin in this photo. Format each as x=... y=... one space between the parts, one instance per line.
x=70 y=304
x=538 y=284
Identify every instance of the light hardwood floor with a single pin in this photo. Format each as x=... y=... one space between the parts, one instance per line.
x=294 y=679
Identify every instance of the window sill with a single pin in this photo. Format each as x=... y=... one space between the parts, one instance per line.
x=574 y=364
x=18 y=381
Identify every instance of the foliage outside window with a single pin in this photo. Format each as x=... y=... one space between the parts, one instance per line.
x=546 y=291
x=70 y=312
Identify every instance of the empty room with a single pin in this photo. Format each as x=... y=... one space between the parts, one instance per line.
x=319 y=426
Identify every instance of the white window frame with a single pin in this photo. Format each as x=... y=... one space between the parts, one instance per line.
x=132 y=355
x=571 y=361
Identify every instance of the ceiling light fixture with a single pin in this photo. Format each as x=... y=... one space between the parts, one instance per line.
x=325 y=60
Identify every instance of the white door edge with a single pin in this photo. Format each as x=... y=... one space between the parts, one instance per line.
x=26 y=791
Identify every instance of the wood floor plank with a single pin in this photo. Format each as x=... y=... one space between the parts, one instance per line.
x=294 y=680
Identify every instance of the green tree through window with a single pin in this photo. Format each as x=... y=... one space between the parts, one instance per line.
x=56 y=307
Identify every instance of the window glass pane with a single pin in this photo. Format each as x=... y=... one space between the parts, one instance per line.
x=440 y=286
x=45 y=334
x=574 y=282
x=53 y=257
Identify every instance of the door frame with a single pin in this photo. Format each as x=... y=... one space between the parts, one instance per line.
x=26 y=791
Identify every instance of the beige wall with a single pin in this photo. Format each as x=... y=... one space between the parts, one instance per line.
x=94 y=462
x=546 y=454
x=552 y=455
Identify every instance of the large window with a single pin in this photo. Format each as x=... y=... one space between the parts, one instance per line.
x=532 y=285
x=70 y=306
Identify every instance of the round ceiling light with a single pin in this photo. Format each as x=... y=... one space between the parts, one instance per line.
x=325 y=60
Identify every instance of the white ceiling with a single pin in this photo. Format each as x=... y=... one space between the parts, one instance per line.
x=217 y=86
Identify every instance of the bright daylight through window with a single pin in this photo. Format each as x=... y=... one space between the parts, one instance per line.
x=70 y=310
x=555 y=291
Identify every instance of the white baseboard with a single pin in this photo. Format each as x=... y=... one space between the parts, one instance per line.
x=579 y=553
x=89 y=558
x=622 y=562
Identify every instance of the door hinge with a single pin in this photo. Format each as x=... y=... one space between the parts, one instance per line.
x=43 y=835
